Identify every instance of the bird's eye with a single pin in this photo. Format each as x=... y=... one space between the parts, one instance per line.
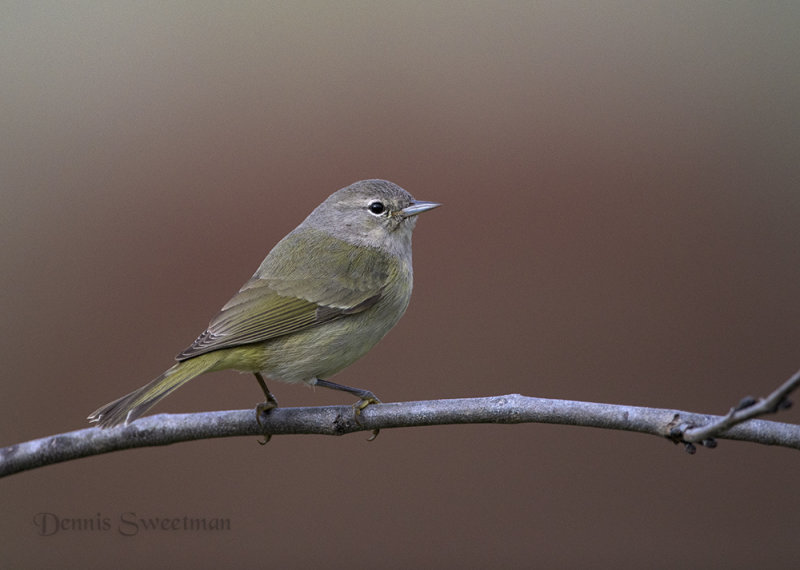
x=377 y=208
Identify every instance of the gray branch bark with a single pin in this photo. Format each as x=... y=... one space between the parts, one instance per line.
x=164 y=429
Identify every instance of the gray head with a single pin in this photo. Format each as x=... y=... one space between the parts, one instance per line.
x=370 y=213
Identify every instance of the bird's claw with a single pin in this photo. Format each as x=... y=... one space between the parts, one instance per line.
x=264 y=408
x=367 y=400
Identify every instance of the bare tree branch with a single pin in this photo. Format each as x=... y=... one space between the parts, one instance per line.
x=164 y=429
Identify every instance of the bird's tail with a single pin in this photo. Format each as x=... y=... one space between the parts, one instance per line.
x=130 y=407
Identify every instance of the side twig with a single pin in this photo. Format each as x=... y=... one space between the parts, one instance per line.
x=747 y=409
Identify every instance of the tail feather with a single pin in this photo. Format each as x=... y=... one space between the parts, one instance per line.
x=128 y=408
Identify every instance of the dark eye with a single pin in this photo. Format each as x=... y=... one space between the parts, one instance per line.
x=377 y=208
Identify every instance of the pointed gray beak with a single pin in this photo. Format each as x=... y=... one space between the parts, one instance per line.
x=417 y=207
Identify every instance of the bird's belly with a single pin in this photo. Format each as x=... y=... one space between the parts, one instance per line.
x=322 y=351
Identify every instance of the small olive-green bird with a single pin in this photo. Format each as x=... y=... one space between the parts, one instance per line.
x=324 y=296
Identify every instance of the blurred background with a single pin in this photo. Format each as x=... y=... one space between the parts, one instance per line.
x=621 y=191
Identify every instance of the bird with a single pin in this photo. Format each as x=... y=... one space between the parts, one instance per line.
x=321 y=299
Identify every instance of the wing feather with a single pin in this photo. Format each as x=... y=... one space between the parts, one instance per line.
x=283 y=298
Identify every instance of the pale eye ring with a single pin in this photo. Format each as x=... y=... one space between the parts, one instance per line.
x=377 y=207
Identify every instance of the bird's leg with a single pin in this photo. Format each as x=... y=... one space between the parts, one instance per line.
x=269 y=403
x=366 y=398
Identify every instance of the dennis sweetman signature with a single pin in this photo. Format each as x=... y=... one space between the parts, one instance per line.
x=128 y=523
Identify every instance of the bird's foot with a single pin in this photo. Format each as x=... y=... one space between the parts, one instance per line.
x=367 y=399
x=263 y=408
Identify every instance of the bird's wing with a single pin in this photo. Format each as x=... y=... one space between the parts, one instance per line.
x=269 y=306
x=259 y=314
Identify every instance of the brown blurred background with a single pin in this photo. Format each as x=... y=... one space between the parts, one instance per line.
x=622 y=194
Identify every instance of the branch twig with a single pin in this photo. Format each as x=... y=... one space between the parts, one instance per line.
x=164 y=429
x=747 y=409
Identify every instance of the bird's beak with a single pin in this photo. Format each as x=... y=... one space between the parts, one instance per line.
x=417 y=207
